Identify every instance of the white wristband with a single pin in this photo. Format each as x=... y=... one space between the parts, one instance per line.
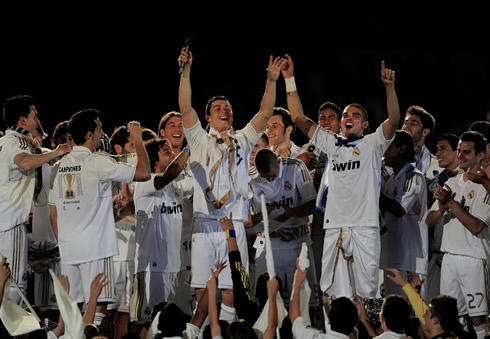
x=290 y=85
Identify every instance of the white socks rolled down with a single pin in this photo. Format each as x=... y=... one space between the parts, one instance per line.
x=98 y=318
x=227 y=313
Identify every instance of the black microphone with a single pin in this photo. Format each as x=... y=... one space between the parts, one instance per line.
x=188 y=44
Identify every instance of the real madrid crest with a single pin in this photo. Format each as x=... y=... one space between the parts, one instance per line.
x=471 y=195
x=287 y=186
x=356 y=151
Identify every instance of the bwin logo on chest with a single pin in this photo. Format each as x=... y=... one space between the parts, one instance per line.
x=345 y=166
x=172 y=209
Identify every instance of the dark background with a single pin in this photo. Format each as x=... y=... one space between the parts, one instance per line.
x=123 y=59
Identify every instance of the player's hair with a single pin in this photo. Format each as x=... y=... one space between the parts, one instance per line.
x=213 y=99
x=286 y=118
x=265 y=159
x=16 y=107
x=58 y=133
x=403 y=138
x=119 y=137
x=152 y=148
x=240 y=330
x=396 y=312
x=333 y=106
x=478 y=140
x=482 y=127
x=343 y=315
x=426 y=118
x=172 y=320
x=81 y=123
x=363 y=110
x=452 y=139
x=446 y=309
x=148 y=134
x=165 y=119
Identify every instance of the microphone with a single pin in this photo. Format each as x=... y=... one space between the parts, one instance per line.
x=188 y=45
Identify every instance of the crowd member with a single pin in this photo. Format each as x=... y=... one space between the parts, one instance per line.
x=20 y=159
x=351 y=222
x=81 y=205
x=447 y=156
x=123 y=151
x=159 y=260
x=290 y=196
x=403 y=204
x=220 y=163
x=465 y=239
x=420 y=124
x=394 y=317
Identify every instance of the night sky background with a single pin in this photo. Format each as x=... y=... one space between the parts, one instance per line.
x=123 y=59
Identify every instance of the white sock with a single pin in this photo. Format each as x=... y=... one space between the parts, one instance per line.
x=480 y=331
x=98 y=318
x=227 y=313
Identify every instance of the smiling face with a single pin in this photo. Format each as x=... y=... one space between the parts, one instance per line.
x=466 y=155
x=353 y=122
x=329 y=120
x=31 y=122
x=276 y=131
x=413 y=125
x=446 y=156
x=220 y=115
x=174 y=132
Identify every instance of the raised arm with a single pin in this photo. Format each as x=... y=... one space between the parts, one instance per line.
x=172 y=171
x=272 y=288
x=304 y=124
x=391 y=124
x=143 y=170
x=27 y=161
x=189 y=114
x=259 y=121
x=294 y=304
x=96 y=286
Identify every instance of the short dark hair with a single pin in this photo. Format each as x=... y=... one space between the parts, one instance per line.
x=240 y=330
x=172 y=320
x=403 y=138
x=152 y=148
x=148 y=134
x=81 y=123
x=119 y=137
x=452 y=139
x=16 y=107
x=213 y=99
x=264 y=160
x=59 y=131
x=446 y=309
x=343 y=315
x=426 y=118
x=332 y=106
x=482 y=127
x=478 y=139
x=165 y=119
x=286 y=117
x=363 y=110
x=396 y=311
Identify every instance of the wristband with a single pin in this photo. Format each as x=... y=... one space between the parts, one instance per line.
x=185 y=149
x=290 y=85
x=230 y=234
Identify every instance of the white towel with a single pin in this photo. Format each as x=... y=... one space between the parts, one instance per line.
x=304 y=289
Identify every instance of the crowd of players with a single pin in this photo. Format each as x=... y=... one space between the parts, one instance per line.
x=159 y=221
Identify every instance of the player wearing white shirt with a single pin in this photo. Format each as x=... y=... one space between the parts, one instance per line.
x=290 y=196
x=160 y=264
x=403 y=203
x=81 y=204
x=220 y=162
x=20 y=157
x=465 y=240
x=351 y=220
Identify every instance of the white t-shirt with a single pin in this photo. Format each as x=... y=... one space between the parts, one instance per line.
x=206 y=152
x=292 y=186
x=159 y=245
x=405 y=246
x=457 y=239
x=16 y=186
x=82 y=193
x=354 y=178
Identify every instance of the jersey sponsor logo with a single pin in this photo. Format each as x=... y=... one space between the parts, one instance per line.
x=284 y=201
x=345 y=166
x=65 y=169
x=175 y=209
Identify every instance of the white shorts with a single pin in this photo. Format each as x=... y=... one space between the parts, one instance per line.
x=13 y=246
x=466 y=279
x=124 y=273
x=81 y=275
x=152 y=288
x=209 y=249
x=357 y=275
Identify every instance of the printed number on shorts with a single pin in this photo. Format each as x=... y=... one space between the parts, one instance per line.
x=238 y=156
x=477 y=296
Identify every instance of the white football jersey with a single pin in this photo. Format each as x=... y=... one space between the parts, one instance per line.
x=82 y=192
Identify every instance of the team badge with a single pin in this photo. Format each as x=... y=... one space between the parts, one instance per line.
x=287 y=186
x=69 y=178
x=471 y=195
x=356 y=151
